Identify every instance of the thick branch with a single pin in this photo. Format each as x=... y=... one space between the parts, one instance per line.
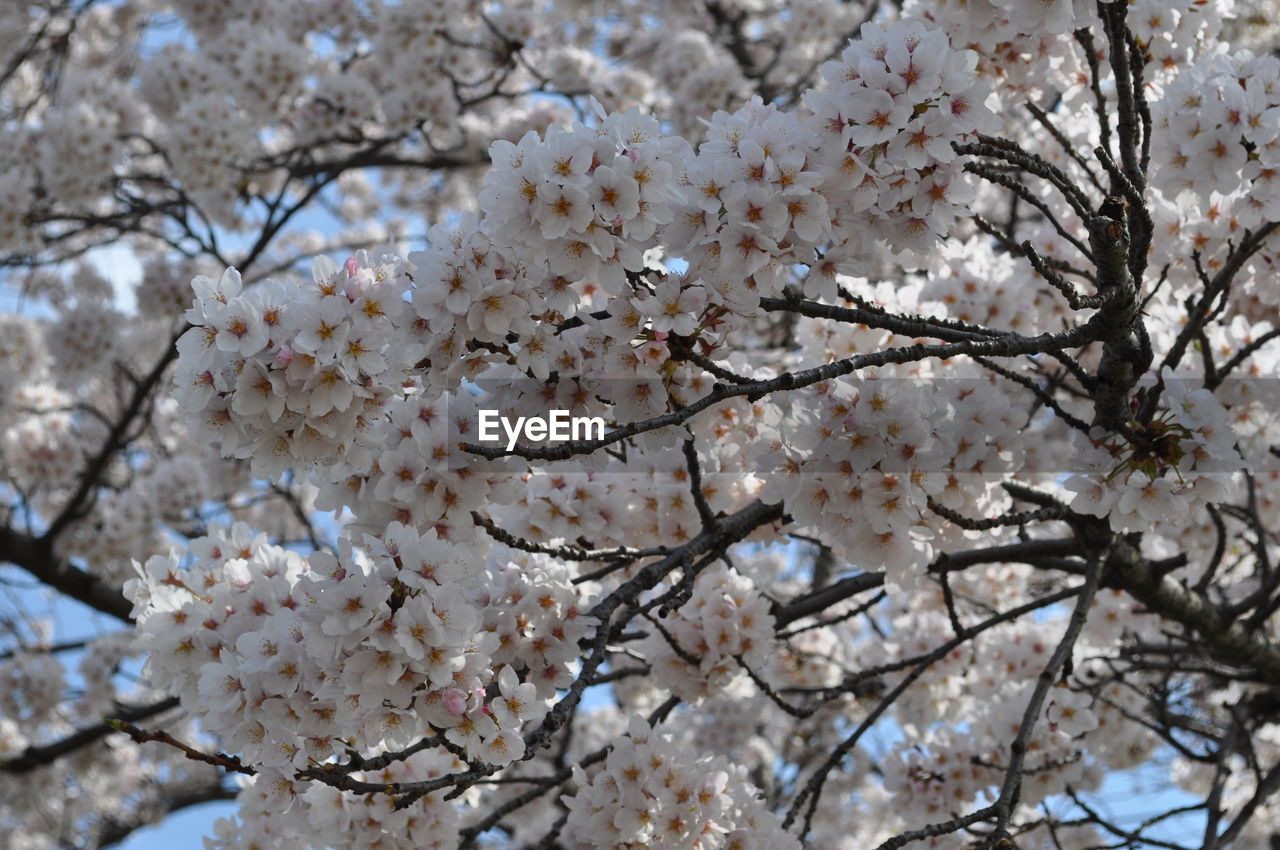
x=1229 y=638
x=37 y=558
x=34 y=757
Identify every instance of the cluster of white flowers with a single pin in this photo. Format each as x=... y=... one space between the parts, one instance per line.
x=896 y=101
x=936 y=774
x=81 y=145
x=1184 y=461
x=32 y=687
x=275 y=814
x=1220 y=123
x=285 y=657
x=751 y=205
x=859 y=464
x=618 y=507
x=966 y=709
x=16 y=186
x=467 y=288
x=41 y=448
x=90 y=332
x=586 y=201
x=418 y=44
x=22 y=357
x=209 y=142
x=292 y=374
x=267 y=71
x=970 y=281
x=654 y=793
x=1174 y=32
x=700 y=76
x=725 y=625
x=1251 y=397
x=538 y=615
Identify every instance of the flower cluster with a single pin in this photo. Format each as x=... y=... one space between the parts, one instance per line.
x=285 y=657
x=586 y=201
x=40 y=449
x=291 y=374
x=275 y=813
x=418 y=476
x=752 y=205
x=1220 y=123
x=725 y=625
x=1057 y=17
x=81 y=144
x=469 y=289
x=896 y=101
x=860 y=463
x=538 y=616
x=90 y=331
x=1175 y=32
x=1179 y=463
x=652 y=792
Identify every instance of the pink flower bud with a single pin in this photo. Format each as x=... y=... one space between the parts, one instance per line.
x=351 y=266
x=284 y=355
x=455 y=701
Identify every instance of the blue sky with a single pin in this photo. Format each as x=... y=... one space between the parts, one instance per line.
x=179 y=831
